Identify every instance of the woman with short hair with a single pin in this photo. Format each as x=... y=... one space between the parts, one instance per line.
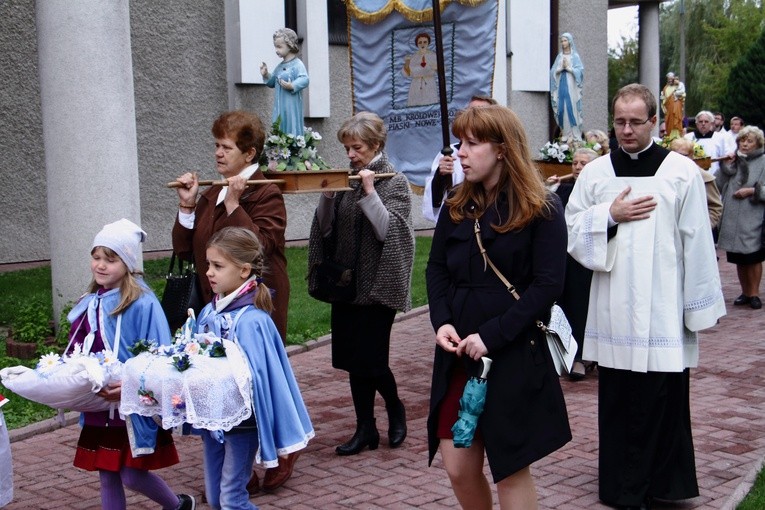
x=369 y=229
x=741 y=227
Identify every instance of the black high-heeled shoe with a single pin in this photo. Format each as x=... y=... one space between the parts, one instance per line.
x=366 y=435
x=396 y=424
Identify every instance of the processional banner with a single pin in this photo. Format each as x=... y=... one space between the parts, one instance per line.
x=394 y=69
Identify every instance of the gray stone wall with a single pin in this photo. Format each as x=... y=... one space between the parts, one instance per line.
x=23 y=209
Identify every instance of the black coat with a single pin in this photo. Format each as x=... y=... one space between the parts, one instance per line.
x=525 y=417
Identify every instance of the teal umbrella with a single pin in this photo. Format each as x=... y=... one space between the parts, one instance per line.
x=471 y=407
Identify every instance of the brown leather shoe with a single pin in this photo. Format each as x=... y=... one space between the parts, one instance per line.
x=253 y=486
x=275 y=477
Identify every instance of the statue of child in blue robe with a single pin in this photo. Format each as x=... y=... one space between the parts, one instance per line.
x=289 y=79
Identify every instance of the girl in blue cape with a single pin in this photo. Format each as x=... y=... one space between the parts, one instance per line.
x=239 y=312
x=6 y=467
x=118 y=310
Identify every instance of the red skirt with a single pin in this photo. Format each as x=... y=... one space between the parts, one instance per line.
x=108 y=449
x=450 y=405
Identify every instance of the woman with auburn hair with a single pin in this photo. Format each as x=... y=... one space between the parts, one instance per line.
x=239 y=138
x=500 y=213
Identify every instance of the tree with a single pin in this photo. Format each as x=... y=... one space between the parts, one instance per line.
x=622 y=65
x=717 y=35
x=746 y=87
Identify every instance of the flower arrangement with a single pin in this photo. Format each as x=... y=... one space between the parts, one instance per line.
x=185 y=346
x=178 y=403
x=106 y=360
x=562 y=150
x=147 y=397
x=182 y=362
x=140 y=346
x=199 y=379
x=285 y=151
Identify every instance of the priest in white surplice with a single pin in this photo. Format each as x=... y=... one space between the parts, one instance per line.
x=638 y=218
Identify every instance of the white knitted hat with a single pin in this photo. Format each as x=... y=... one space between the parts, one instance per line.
x=125 y=238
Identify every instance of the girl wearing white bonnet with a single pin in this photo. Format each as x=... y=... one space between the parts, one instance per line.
x=124 y=238
x=119 y=310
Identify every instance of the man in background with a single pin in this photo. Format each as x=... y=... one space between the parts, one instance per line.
x=715 y=144
x=448 y=168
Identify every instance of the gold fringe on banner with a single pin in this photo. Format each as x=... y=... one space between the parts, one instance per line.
x=416 y=16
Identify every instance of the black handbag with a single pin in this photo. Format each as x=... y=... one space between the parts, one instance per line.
x=182 y=291
x=330 y=281
x=333 y=282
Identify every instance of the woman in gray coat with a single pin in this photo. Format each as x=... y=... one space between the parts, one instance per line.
x=741 y=227
x=368 y=228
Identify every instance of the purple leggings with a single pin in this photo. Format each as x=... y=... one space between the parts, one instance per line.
x=150 y=485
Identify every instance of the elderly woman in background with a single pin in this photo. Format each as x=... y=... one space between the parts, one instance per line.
x=714 y=202
x=370 y=228
x=741 y=227
x=239 y=138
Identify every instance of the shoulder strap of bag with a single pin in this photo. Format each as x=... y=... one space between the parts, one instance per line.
x=171 y=269
x=172 y=264
x=487 y=260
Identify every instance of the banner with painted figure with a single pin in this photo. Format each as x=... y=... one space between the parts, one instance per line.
x=394 y=69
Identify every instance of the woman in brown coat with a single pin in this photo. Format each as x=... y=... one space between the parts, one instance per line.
x=239 y=138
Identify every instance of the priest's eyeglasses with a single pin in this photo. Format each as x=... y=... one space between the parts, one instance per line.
x=621 y=123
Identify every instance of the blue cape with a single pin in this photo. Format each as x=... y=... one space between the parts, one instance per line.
x=282 y=418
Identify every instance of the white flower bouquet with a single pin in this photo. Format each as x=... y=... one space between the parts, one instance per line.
x=285 y=151
x=562 y=150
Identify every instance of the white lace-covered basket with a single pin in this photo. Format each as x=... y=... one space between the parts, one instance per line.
x=213 y=393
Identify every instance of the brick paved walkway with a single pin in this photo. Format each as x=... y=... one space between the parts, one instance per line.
x=728 y=411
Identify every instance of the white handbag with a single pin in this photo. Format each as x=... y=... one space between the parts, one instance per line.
x=560 y=341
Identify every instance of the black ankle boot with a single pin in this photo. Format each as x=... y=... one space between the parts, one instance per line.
x=366 y=435
x=396 y=424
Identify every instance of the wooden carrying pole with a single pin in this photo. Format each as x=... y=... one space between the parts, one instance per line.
x=176 y=184
x=441 y=183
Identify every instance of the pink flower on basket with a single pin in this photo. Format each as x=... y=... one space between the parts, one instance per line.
x=178 y=402
x=146 y=397
x=192 y=348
